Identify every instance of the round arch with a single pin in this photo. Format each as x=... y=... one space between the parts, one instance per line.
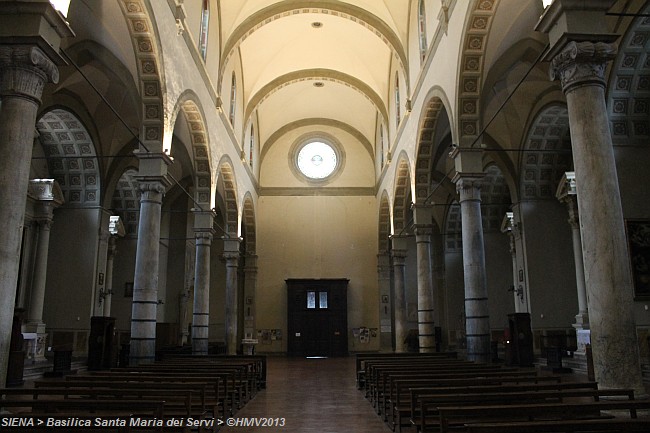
x=200 y=154
x=249 y=223
x=477 y=28
x=402 y=196
x=228 y=185
x=384 y=223
x=427 y=147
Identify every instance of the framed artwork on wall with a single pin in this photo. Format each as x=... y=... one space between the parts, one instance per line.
x=638 y=240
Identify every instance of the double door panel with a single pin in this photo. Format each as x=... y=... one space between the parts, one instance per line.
x=317 y=317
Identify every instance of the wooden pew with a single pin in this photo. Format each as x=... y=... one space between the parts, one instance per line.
x=620 y=425
x=387 y=387
x=445 y=417
x=361 y=358
x=417 y=393
x=218 y=393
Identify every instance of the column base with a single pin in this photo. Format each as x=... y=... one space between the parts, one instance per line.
x=583 y=337
x=582 y=321
x=35 y=346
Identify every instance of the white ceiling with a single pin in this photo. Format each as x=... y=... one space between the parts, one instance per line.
x=283 y=55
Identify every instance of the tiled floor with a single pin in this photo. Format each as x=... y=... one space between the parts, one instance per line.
x=312 y=395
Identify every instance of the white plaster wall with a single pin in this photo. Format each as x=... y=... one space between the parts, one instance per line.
x=317 y=237
x=276 y=170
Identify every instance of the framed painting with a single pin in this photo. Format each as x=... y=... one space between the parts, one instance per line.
x=638 y=240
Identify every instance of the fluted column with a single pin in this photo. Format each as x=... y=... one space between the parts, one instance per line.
x=231 y=256
x=24 y=71
x=385 y=304
x=399 y=298
x=423 y=229
x=152 y=184
x=579 y=62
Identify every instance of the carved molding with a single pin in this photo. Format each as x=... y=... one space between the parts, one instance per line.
x=581 y=63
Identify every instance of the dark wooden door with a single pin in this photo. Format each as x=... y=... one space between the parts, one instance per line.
x=317 y=317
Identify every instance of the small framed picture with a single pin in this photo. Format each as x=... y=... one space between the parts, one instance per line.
x=128 y=289
x=384 y=299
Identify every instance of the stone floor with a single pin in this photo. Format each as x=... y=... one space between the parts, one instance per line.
x=312 y=395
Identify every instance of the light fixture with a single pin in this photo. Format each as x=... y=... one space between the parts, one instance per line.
x=546 y=3
x=319 y=84
x=317 y=24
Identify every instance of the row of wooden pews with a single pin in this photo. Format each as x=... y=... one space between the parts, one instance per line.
x=175 y=394
x=439 y=393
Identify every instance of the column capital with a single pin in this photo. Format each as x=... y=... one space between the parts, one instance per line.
x=231 y=257
x=24 y=70
x=203 y=236
x=581 y=63
x=468 y=187
x=115 y=226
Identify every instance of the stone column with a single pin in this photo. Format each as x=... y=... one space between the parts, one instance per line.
x=231 y=255
x=152 y=185
x=399 y=299
x=477 y=319
x=579 y=61
x=385 y=305
x=23 y=74
x=423 y=228
x=566 y=194
x=115 y=230
x=203 y=234
x=201 y=311
x=250 y=289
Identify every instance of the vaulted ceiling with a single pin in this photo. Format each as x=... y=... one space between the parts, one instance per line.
x=315 y=60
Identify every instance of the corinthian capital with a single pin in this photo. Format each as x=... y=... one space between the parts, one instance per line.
x=582 y=63
x=468 y=188
x=24 y=70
